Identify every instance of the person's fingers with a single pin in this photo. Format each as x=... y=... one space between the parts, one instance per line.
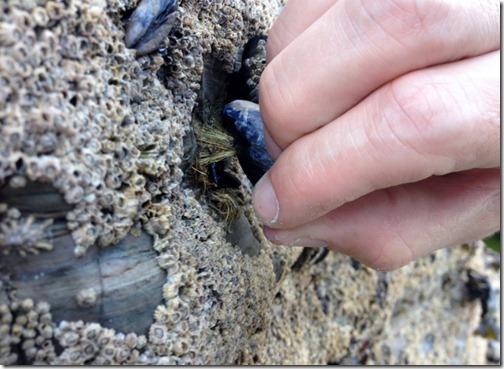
x=294 y=19
x=357 y=46
x=389 y=228
x=429 y=122
x=273 y=149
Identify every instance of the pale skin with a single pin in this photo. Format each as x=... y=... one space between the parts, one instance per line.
x=384 y=120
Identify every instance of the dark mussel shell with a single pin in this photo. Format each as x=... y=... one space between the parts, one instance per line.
x=149 y=25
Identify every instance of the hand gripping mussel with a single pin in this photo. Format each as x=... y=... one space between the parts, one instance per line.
x=250 y=128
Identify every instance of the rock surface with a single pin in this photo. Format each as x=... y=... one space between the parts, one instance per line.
x=93 y=175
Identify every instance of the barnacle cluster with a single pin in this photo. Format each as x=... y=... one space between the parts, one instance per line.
x=26 y=324
x=254 y=62
x=92 y=143
x=90 y=343
x=70 y=117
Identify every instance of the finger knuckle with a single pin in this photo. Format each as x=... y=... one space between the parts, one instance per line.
x=410 y=103
x=406 y=21
x=299 y=178
x=410 y=113
x=276 y=103
x=302 y=179
x=386 y=265
x=392 y=253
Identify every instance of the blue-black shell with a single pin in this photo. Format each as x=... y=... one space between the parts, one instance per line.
x=149 y=25
x=249 y=125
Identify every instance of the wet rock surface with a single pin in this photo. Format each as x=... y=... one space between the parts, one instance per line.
x=100 y=221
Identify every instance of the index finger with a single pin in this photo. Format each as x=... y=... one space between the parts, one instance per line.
x=294 y=19
x=435 y=121
x=357 y=46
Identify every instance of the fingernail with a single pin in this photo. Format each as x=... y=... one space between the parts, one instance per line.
x=308 y=242
x=265 y=201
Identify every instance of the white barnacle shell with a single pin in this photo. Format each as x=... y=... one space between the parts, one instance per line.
x=40 y=16
x=69 y=339
x=92 y=331
x=9 y=34
x=158 y=333
x=162 y=314
x=55 y=10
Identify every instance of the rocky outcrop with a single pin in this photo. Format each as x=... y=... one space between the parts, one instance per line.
x=121 y=242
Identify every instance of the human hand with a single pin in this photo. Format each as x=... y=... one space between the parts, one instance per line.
x=384 y=118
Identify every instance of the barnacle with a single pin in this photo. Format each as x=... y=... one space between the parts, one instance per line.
x=158 y=333
x=9 y=34
x=105 y=337
x=25 y=235
x=69 y=339
x=22 y=18
x=149 y=24
x=122 y=354
x=40 y=16
x=86 y=298
x=55 y=10
x=131 y=340
x=169 y=263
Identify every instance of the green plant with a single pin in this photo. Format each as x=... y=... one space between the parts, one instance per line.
x=493 y=242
